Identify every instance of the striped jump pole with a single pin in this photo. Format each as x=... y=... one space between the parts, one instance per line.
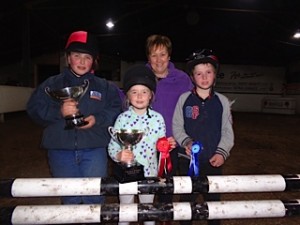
x=43 y=187
x=64 y=214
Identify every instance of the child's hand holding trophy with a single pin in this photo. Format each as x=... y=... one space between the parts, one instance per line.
x=128 y=170
x=69 y=97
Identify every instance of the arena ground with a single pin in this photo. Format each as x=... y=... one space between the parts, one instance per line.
x=264 y=144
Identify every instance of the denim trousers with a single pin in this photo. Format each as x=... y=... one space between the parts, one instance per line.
x=79 y=163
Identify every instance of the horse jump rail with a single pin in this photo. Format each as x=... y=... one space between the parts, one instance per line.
x=64 y=214
x=39 y=187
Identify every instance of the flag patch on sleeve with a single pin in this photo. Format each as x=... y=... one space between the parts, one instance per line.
x=95 y=95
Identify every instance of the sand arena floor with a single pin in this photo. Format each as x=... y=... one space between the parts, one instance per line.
x=264 y=144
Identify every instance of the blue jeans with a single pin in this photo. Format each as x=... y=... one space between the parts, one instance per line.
x=79 y=163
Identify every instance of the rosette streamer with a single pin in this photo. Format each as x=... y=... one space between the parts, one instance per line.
x=194 y=169
x=165 y=163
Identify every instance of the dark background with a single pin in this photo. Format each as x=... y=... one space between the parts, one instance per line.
x=240 y=31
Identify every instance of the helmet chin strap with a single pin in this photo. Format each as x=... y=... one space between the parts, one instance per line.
x=148 y=114
x=75 y=74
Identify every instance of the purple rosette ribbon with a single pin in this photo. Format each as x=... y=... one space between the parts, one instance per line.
x=194 y=169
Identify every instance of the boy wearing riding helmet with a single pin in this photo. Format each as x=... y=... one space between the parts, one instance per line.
x=81 y=150
x=203 y=117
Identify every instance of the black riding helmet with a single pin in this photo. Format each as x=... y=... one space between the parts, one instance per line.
x=139 y=74
x=202 y=56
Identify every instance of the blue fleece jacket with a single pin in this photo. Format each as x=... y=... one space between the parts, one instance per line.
x=101 y=100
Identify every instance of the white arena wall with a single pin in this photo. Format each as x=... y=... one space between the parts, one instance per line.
x=252 y=88
x=257 y=89
x=13 y=99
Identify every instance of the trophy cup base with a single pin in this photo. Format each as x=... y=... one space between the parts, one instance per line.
x=124 y=173
x=74 y=121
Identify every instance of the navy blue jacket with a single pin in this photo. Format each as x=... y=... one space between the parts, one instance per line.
x=101 y=100
x=208 y=121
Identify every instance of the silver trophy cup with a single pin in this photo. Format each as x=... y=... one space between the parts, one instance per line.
x=128 y=138
x=75 y=93
x=129 y=171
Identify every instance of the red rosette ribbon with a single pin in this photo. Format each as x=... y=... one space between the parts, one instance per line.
x=165 y=164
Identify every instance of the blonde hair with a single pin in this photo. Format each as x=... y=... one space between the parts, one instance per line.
x=126 y=102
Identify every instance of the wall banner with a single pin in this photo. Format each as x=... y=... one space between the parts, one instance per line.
x=250 y=79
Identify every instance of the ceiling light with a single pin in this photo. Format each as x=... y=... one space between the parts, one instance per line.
x=110 y=24
x=297 y=34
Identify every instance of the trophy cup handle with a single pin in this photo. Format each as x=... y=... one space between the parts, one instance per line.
x=50 y=94
x=47 y=90
x=112 y=132
x=85 y=86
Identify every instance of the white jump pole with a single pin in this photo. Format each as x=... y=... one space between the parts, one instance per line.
x=64 y=214
x=38 y=187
